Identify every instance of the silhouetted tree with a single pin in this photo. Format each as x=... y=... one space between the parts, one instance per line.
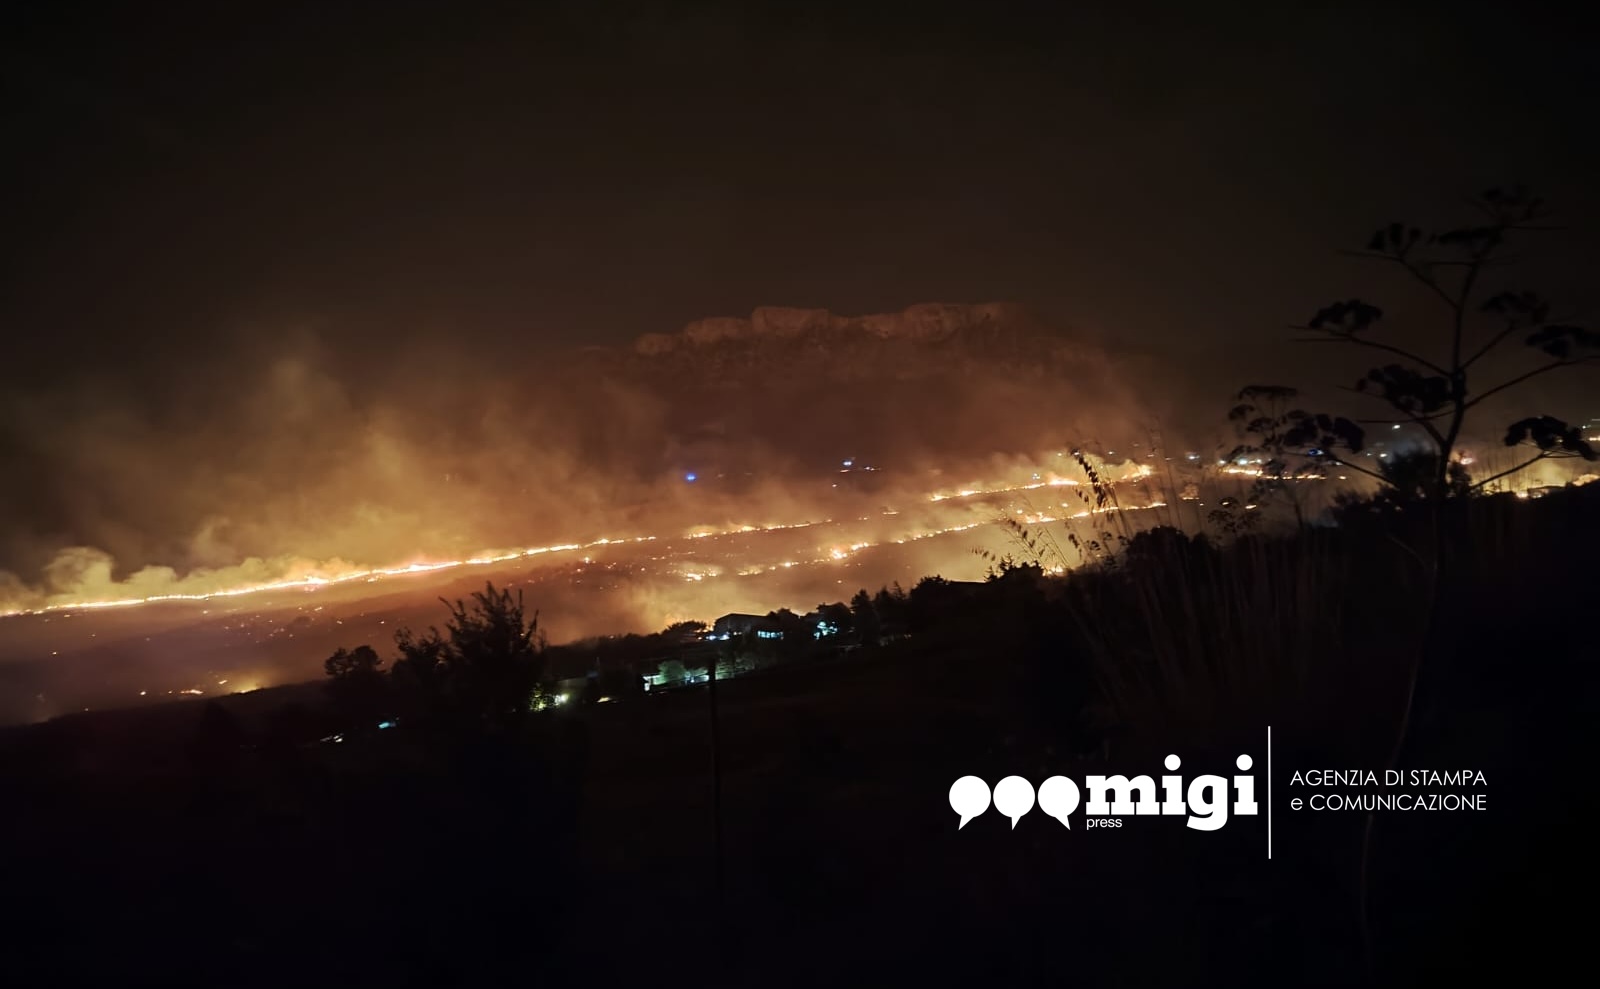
x=494 y=655
x=1166 y=546
x=356 y=684
x=869 y=628
x=353 y=664
x=1005 y=567
x=1409 y=480
x=1410 y=477
x=927 y=602
x=1288 y=443
x=1550 y=436
x=419 y=676
x=1434 y=393
x=891 y=606
x=485 y=668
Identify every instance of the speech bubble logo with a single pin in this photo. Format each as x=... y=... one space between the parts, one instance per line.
x=969 y=797
x=1058 y=797
x=1013 y=797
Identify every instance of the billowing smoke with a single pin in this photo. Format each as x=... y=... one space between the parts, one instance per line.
x=305 y=463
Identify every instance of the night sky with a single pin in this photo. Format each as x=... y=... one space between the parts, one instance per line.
x=593 y=172
x=189 y=186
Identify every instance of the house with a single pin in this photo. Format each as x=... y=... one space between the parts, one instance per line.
x=736 y=624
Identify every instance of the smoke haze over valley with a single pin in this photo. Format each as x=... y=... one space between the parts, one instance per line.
x=310 y=466
x=743 y=463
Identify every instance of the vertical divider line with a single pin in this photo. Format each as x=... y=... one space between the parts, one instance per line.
x=1269 y=793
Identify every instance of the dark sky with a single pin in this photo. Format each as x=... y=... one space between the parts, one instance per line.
x=179 y=174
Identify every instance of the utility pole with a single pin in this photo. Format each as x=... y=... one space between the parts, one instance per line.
x=716 y=783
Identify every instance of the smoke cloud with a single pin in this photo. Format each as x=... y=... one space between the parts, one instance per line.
x=300 y=462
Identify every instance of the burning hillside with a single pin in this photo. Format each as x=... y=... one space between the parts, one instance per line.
x=312 y=474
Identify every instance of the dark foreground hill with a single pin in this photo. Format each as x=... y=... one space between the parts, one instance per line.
x=182 y=845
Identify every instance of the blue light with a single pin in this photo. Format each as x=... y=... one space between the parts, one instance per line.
x=386 y=724
x=849 y=463
x=689 y=478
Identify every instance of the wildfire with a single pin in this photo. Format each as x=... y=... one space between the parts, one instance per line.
x=257 y=576
x=312 y=577
x=1052 y=482
x=317 y=580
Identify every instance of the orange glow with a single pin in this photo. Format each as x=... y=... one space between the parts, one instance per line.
x=311 y=576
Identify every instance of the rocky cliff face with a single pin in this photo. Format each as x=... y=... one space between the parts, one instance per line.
x=926 y=322
x=935 y=382
x=929 y=339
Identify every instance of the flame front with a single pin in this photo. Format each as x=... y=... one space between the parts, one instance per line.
x=313 y=576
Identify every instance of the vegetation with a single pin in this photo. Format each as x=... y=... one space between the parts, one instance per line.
x=1437 y=393
x=356 y=683
x=486 y=668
